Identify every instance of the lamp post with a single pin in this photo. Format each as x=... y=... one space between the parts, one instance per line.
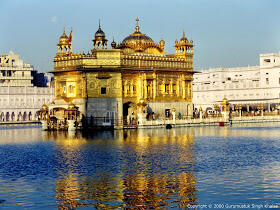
x=44 y=116
x=200 y=113
x=260 y=108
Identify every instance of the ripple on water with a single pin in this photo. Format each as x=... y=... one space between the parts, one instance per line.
x=154 y=168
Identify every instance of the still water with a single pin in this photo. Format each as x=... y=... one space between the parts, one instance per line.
x=142 y=169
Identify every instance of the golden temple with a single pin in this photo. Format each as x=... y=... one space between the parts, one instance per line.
x=113 y=86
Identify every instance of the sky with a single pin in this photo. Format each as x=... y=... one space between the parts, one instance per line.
x=226 y=33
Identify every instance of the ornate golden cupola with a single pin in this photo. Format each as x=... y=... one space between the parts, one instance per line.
x=64 y=47
x=113 y=44
x=140 y=43
x=184 y=47
x=100 y=41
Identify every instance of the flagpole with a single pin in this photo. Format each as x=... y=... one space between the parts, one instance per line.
x=70 y=39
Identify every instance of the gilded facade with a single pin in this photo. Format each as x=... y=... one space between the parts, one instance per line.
x=111 y=84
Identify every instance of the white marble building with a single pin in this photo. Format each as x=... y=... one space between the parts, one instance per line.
x=249 y=86
x=13 y=72
x=20 y=100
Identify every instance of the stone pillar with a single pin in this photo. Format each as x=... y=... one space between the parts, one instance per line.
x=131 y=89
x=141 y=87
x=145 y=87
x=177 y=88
x=171 y=87
x=124 y=88
x=154 y=88
x=191 y=91
x=268 y=107
x=187 y=83
x=184 y=87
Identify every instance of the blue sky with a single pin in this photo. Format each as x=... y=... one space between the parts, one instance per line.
x=226 y=33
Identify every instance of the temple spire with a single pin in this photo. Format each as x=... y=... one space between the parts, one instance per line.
x=137 y=25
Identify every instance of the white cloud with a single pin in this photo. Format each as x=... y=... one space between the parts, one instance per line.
x=53 y=19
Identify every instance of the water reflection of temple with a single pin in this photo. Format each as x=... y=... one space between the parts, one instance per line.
x=141 y=181
x=68 y=191
x=144 y=187
x=165 y=188
x=159 y=190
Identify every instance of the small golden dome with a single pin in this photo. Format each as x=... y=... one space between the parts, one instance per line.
x=63 y=40
x=72 y=107
x=113 y=44
x=99 y=33
x=45 y=107
x=99 y=40
x=225 y=101
x=183 y=42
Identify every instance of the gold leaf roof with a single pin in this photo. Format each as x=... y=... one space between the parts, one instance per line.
x=139 y=42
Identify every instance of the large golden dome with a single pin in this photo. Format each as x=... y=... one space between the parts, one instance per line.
x=138 y=42
x=137 y=37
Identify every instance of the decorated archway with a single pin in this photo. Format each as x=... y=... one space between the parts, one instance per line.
x=7 y=116
x=13 y=116
x=2 y=117
x=24 y=116
x=19 y=118
x=37 y=114
x=30 y=116
x=129 y=113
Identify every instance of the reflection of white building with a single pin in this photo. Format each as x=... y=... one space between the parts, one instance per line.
x=249 y=86
x=19 y=98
